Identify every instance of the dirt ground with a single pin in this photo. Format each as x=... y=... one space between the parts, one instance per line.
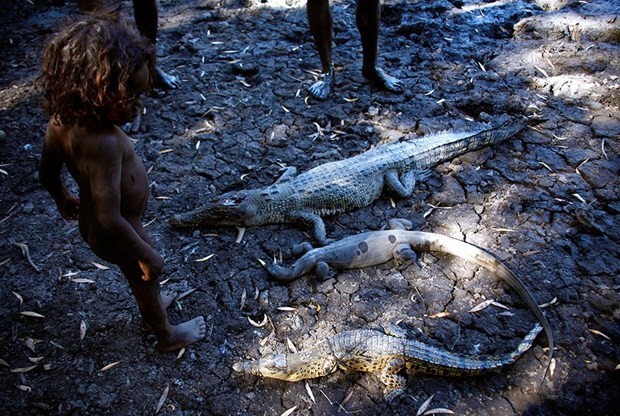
x=546 y=203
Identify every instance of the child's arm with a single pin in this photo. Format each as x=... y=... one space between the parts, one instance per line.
x=50 y=167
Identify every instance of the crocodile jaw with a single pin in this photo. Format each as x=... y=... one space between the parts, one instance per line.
x=272 y=366
x=289 y=367
x=232 y=208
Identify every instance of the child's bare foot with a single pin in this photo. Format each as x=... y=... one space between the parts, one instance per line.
x=184 y=334
x=167 y=298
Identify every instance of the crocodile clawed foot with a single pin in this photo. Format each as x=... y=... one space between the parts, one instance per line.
x=391 y=394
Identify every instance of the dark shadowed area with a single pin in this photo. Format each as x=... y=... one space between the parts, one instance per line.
x=546 y=202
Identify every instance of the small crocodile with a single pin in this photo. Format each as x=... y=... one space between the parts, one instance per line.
x=374 y=351
x=341 y=186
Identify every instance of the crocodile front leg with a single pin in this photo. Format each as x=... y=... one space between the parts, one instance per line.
x=394 y=384
x=314 y=221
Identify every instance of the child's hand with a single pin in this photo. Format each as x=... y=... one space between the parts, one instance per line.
x=152 y=268
x=69 y=207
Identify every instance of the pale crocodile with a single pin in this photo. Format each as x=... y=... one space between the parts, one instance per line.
x=375 y=351
x=376 y=247
x=343 y=185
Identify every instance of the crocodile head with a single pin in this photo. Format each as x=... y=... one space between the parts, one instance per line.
x=232 y=208
x=289 y=367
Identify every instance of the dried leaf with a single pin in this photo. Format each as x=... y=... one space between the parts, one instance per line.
x=344 y=401
x=430 y=92
x=185 y=294
x=552 y=302
x=23 y=369
x=576 y=195
x=286 y=308
x=243 y=296
x=286 y=110
x=55 y=344
x=542 y=71
x=310 y=393
x=163 y=398
x=4 y=363
x=109 y=366
x=546 y=166
x=204 y=258
x=500 y=305
x=181 y=353
x=32 y=314
x=262 y=263
x=23 y=388
x=30 y=344
x=256 y=324
x=82 y=330
x=351 y=100
x=291 y=346
x=439 y=410
x=82 y=280
x=425 y=405
x=440 y=315
x=482 y=305
x=18 y=296
x=599 y=333
x=161 y=152
x=241 y=233
x=35 y=360
x=99 y=266
x=289 y=411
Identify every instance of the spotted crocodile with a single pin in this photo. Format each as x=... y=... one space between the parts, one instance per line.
x=375 y=351
x=341 y=186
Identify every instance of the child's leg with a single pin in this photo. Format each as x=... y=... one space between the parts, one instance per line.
x=153 y=311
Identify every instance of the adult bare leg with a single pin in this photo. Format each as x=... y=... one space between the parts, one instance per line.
x=321 y=24
x=368 y=16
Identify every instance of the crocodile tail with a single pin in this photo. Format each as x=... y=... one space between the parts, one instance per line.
x=526 y=343
x=496 y=134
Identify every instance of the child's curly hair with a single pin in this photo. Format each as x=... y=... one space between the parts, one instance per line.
x=85 y=63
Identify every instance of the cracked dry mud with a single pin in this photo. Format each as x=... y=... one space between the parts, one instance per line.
x=545 y=202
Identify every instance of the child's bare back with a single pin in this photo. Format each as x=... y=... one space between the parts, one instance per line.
x=84 y=135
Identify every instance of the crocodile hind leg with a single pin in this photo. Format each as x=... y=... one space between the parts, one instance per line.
x=394 y=384
x=402 y=186
x=400 y=224
x=404 y=255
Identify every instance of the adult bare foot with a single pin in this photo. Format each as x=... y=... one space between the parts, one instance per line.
x=184 y=334
x=323 y=87
x=382 y=80
x=165 y=80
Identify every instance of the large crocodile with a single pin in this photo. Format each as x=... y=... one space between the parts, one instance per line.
x=375 y=351
x=376 y=247
x=343 y=185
